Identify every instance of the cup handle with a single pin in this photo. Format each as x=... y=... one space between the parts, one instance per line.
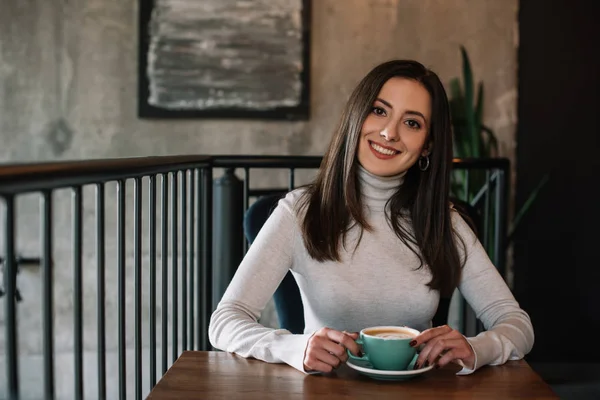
x=365 y=357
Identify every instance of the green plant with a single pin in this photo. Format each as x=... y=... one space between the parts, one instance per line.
x=473 y=139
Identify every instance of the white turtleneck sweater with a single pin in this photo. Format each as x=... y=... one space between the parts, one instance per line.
x=376 y=284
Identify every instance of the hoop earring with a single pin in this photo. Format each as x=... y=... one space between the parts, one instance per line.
x=424 y=163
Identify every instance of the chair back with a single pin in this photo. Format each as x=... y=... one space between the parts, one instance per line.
x=287 y=299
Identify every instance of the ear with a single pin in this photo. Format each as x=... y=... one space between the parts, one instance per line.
x=426 y=150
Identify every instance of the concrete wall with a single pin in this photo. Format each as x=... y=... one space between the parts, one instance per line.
x=68 y=86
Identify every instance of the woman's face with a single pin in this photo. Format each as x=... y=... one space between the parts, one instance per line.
x=394 y=134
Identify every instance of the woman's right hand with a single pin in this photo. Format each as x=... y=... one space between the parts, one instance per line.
x=326 y=350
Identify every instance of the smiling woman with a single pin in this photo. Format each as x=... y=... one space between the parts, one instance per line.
x=374 y=241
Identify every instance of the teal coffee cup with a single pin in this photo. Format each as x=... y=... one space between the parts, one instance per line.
x=387 y=347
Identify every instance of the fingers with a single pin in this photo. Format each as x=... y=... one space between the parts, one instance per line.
x=317 y=366
x=433 y=350
x=326 y=350
x=316 y=358
x=452 y=355
x=462 y=351
x=424 y=355
x=443 y=346
x=429 y=334
x=345 y=340
x=336 y=349
x=353 y=335
x=328 y=358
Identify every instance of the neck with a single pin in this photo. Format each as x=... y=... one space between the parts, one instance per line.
x=377 y=190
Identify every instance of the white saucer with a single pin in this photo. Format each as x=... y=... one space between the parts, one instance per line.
x=367 y=369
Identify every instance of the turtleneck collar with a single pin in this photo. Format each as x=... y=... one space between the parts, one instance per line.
x=377 y=190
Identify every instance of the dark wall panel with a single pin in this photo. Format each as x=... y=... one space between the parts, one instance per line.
x=557 y=249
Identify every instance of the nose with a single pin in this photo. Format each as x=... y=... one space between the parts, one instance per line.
x=390 y=133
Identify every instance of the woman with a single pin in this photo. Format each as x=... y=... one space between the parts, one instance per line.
x=375 y=241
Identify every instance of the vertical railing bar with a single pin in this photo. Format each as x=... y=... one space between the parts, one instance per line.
x=184 y=237
x=137 y=290
x=200 y=260
x=77 y=289
x=495 y=239
x=152 y=255
x=174 y=261
x=292 y=182
x=101 y=314
x=164 y=189
x=121 y=287
x=486 y=211
x=205 y=300
x=192 y=227
x=10 y=287
x=245 y=202
x=48 y=298
x=500 y=225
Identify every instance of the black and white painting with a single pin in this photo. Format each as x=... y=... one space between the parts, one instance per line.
x=224 y=59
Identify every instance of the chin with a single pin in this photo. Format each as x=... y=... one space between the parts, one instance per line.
x=383 y=171
x=389 y=173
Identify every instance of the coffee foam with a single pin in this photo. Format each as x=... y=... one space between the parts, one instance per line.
x=394 y=335
x=389 y=333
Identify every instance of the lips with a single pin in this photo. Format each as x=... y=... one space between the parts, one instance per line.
x=381 y=151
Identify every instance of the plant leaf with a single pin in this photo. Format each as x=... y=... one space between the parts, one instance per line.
x=469 y=115
x=491 y=142
x=461 y=144
x=455 y=90
x=457 y=103
x=478 y=120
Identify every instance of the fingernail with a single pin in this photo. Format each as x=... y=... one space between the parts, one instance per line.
x=413 y=343
x=416 y=366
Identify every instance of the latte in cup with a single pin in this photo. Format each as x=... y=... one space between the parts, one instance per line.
x=390 y=333
x=387 y=347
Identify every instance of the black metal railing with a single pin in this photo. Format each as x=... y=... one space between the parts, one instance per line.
x=173 y=233
x=190 y=217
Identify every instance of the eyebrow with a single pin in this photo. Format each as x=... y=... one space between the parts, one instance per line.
x=384 y=102
x=412 y=112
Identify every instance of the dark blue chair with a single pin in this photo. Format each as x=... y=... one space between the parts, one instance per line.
x=288 y=302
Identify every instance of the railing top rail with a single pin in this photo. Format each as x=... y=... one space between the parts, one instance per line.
x=241 y=161
x=22 y=178
x=481 y=163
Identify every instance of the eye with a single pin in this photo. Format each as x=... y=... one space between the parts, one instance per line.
x=413 y=124
x=378 y=111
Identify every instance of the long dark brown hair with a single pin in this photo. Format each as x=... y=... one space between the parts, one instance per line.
x=332 y=204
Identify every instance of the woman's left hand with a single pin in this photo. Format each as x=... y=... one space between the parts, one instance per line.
x=446 y=342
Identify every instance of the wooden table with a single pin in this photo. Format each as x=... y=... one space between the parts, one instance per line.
x=219 y=375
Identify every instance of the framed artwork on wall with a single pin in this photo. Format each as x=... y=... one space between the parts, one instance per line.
x=224 y=59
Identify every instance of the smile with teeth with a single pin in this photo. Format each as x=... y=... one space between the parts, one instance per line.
x=382 y=150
